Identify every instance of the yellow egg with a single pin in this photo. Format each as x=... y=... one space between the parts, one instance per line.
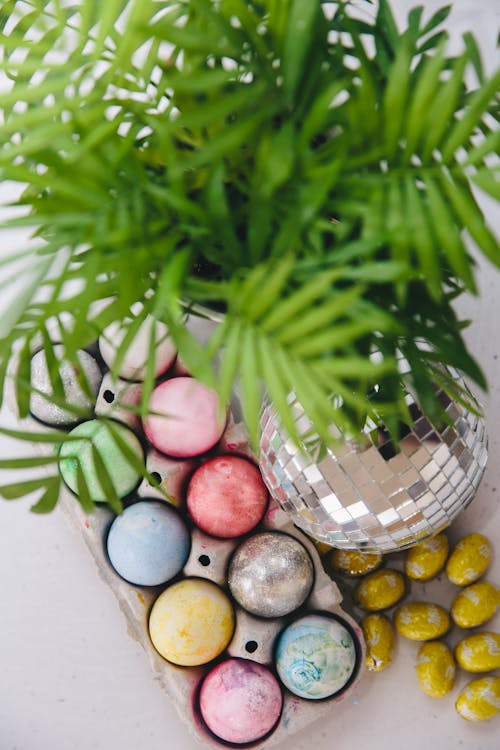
x=480 y=699
x=420 y=621
x=475 y=604
x=380 y=590
x=380 y=640
x=191 y=622
x=479 y=652
x=469 y=559
x=427 y=558
x=435 y=669
x=351 y=562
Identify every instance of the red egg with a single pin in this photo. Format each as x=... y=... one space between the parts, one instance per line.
x=185 y=418
x=226 y=496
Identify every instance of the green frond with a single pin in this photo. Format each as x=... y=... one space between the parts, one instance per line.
x=309 y=172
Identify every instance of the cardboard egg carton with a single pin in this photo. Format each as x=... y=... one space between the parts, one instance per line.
x=181 y=683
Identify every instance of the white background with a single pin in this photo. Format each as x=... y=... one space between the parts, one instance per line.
x=72 y=679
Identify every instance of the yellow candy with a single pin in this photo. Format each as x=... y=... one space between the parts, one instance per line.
x=427 y=558
x=475 y=604
x=469 y=559
x=480 y=699
x=420 y=621
x=435 y=669
x=479 y=652
x=351 y=562
x=191 y=622
x=323 y=549
x=380 y=590
x=380 y=640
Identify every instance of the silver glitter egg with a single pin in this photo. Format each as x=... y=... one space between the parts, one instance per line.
x=368 y=495
x=270 y=574
x=50 y=413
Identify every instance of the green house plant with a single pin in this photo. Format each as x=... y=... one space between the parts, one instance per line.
x=302 y=168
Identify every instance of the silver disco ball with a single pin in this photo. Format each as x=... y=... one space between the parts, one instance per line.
x=367 y=495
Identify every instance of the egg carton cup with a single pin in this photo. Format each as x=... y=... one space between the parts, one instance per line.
x=254 y=637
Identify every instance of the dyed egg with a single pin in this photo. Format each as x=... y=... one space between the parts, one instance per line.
x=191 y=622
x=420 y=621
x=240 y=701
x=270 y=574
x=436 y=669
x=226 y=496
x=316 y=657
x=96 y=435
x=480 y=699
x=380 y=590
x=45 y=409
x=148 y=544
x=427 y=558
x=352 y=562
x=380 y=641
x=185 y=418
x=475 y=604
x=479 y=652
x=133 y=364
x=469 y=559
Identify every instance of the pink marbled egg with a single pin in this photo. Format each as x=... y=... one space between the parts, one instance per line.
x=240 y=701
x=226 y=496
x=185 y=418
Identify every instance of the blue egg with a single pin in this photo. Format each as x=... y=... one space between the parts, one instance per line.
x=316 y=657
x=148 y=544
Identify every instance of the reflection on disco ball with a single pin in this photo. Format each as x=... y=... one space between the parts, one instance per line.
x=369 y=496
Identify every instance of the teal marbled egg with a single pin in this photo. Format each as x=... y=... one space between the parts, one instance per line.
x=316 y=656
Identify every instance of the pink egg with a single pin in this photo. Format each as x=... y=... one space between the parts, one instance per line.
x=226 y=496
x=185 y=419
x=240 y=701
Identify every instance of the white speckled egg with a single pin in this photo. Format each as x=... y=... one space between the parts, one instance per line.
x=133 y=366
x=46 y=410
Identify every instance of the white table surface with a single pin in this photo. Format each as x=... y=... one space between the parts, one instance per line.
x=72 y=679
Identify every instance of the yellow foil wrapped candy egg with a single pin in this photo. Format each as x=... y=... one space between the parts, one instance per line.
x=191 y=622
x=380 y=641
x=435 y=669
x=475 y=604
x=352 y=562
x=380 y=590
x=469 y=559
x=479 y=652
x=427 y=558
x=480 y=699
x=420 y=621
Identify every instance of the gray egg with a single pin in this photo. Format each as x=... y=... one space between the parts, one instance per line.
x=43 y=408
x=271 y=574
